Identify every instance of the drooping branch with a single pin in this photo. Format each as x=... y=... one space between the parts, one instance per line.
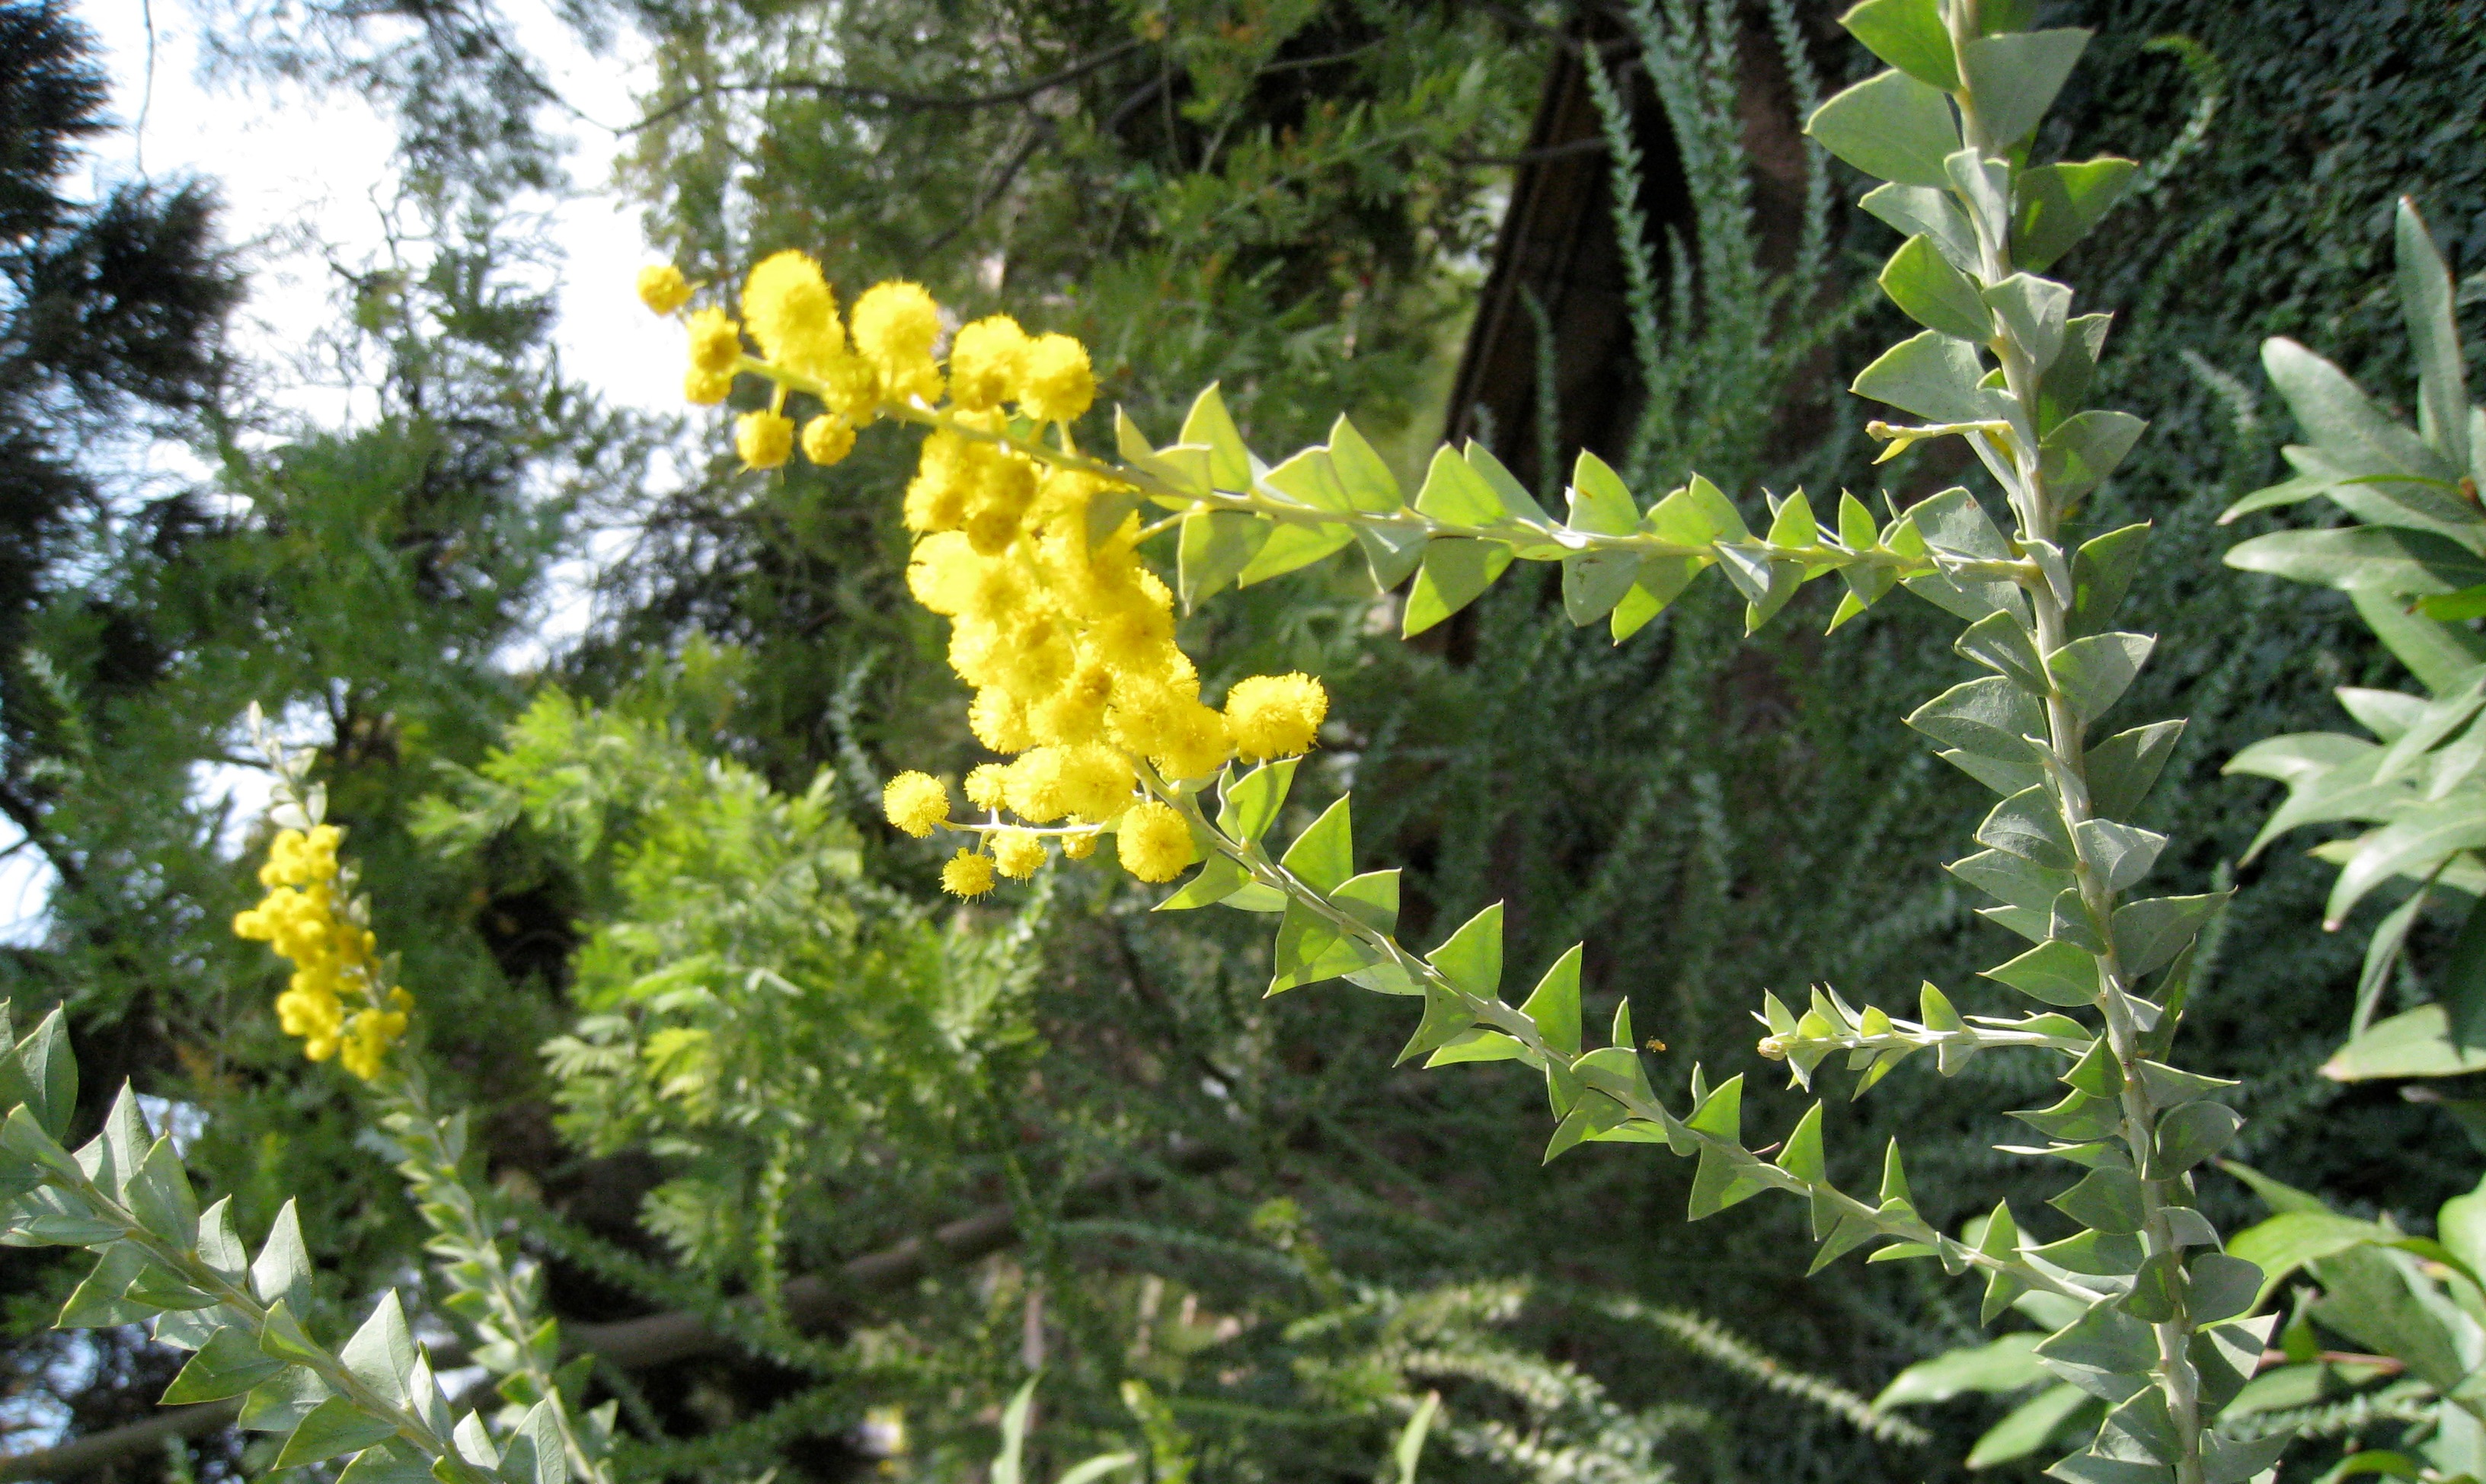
x=814 y=1303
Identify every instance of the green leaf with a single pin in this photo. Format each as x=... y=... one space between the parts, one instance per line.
x=2086 y=448
x=2382 y=559
x=2290 y=1240
x=2066 y=385
x=1722 y=1180
x=1600 y=502
x=1309 y=948
x=1323 y=856
x=2078 y=1118
x=2416 y=1043
x=2434 y=336
x=2057 y=205
x=2140 y=1427
x=1218 y=878
x=1454 y=571
x=1478 y=1046
x=533 y=1453
x=1908 y=35
x=1895 y=1174
x=1933 y=293
x=2034 y=312
x=2222 y=1286
x=51 y=1071
x=1918 y=210
x=1248 y=805
x=1512 y=495
x=2014 y=79
x=2103 y=1340
x=2412 y=846
x=1290 y=548
x=1934 y=377
x=2054 y=974
x=1309 y=478
x=1987 y=720
x=334 y=1427
x=1214 y=546
x=2228 y=1459
x=1363 y=474
x=387 y=1463
x=227 y=1365
x=1999 y=644
x=2008 y=1363
x=2150 y=934
x=1720 y=1113
x=1554 y=1005
x=1891 y=127
x=2028 y=1427
x=1208 y=426
x=1411 y=1438
x=161 y=1198
x=1446 y=1018
x=2123 y=768
x=2460 y=979
x=1471 y=958
x=281 y=1335
x=381 y=1351
x=97 y=1302
x=1661 y=581
x=1390 y=553
x=2190 y=1134
x=2438 y=654
x=2156 y=1289
x=1594 y=581
x=2093 y=673
x=1802 y=1156
x=2107 y=1200
x=2028 y=825
x=283 y=1400
x=1371 y=898
x=1455 y=494
x=2341 y=421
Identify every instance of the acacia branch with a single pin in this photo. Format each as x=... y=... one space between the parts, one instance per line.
x=815 y=1302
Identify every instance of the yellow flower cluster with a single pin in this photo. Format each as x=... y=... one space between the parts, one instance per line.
x=334 y=1001
x=1066 y=637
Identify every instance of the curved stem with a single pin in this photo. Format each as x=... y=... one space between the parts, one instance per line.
x=1490 y=1011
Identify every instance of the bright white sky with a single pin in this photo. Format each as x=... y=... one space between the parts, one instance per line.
x=303 y=176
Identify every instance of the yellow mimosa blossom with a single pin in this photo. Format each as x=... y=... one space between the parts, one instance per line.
x=1017 y=853
x=663 y=288
x=916 y=803
x=1154 y=842
x=967 y=874
x=334 y=1000
x=827 y=438
x=1062 y=634
x=763 y=439
x=1276 y=716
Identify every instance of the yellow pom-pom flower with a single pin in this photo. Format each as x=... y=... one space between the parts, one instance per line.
x=717 y=340
x=1079 y=847
x=663 y=288
x=792 y=313
x=895 y=326
x=988 y=785
x=763 y=439
x=1056 y=384
x=827 y=439
x=333 y=1000
x=1276 y=716
x=967 y=874
x=707 y=388
x=1154 y=842
x=916 y=803
x=1017 y=853
x=984 y=362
